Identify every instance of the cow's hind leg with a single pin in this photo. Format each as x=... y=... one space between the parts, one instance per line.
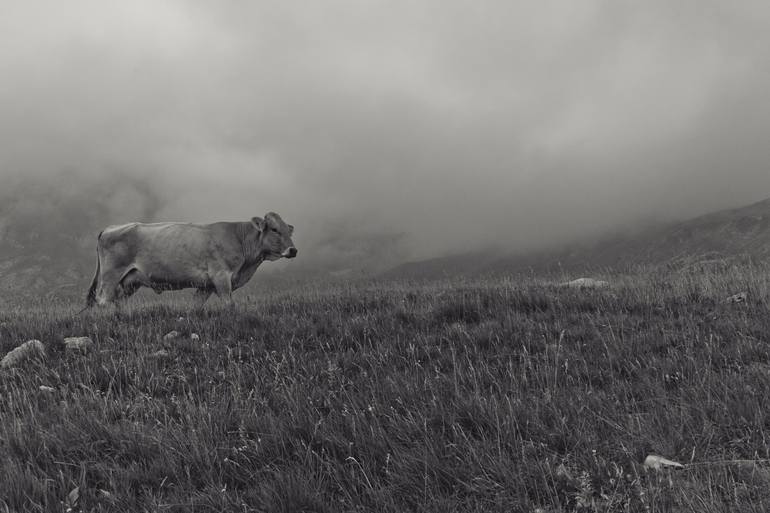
x=130 y=283
x=107 y=291
x=132 y=280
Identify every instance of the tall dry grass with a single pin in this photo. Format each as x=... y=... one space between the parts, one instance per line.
x=510 y=394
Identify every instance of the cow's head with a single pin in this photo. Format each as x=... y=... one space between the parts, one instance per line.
x=275 y=236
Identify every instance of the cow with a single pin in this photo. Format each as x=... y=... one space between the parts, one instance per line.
x=218 y=257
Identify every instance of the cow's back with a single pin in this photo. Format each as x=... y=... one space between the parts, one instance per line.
x=174 y=252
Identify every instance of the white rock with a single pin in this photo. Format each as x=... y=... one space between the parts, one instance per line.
x=586 y=283
x=72 y=499
x=562 y=471
x=740 y=297
x=656 y=462
x=47 y=389
x=27 y=350
x=82 y=345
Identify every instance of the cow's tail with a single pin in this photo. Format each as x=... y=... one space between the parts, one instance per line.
x=91 y=296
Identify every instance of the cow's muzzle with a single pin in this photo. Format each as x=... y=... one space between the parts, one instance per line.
x=290 y=252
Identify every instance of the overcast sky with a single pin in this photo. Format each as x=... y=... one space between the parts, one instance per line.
x=459 y=123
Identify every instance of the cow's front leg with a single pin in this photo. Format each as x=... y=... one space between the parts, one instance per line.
x=201 y=296
x=224 y=286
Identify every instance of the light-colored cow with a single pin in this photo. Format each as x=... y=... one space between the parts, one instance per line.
x=218 y=257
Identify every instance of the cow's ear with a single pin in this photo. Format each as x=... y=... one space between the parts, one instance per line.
x=259 y=223
x=291 y=229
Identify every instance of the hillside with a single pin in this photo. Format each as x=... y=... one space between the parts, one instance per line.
x=47 y=238
x=464 y=396
x=711 y=239
x=47 y=242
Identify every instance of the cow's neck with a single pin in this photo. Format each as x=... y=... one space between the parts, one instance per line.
x=250 y=245
x=252 y=253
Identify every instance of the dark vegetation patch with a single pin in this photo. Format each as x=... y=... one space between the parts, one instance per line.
x=457 y=310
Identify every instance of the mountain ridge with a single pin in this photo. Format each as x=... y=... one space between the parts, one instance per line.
x=714 y=237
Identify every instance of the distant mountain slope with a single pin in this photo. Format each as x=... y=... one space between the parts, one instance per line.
x=48 y=237
x=740 y=231
x=710 y=238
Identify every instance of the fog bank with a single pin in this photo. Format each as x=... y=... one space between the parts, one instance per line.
x=433 y=127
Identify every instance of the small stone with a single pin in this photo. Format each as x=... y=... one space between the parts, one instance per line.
x=72 y=499
x=27 y=350
x=82 y=345
x=586 y=283
x=656 y=462
x=46 y=389
x=194 y=336
x=562 y=471
x=171 y=335
x=740 y=297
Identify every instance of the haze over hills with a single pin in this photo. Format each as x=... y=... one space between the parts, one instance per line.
x=47 y=246
x=709 y=239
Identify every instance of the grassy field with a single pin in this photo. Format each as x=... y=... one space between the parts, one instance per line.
x=506 y=395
